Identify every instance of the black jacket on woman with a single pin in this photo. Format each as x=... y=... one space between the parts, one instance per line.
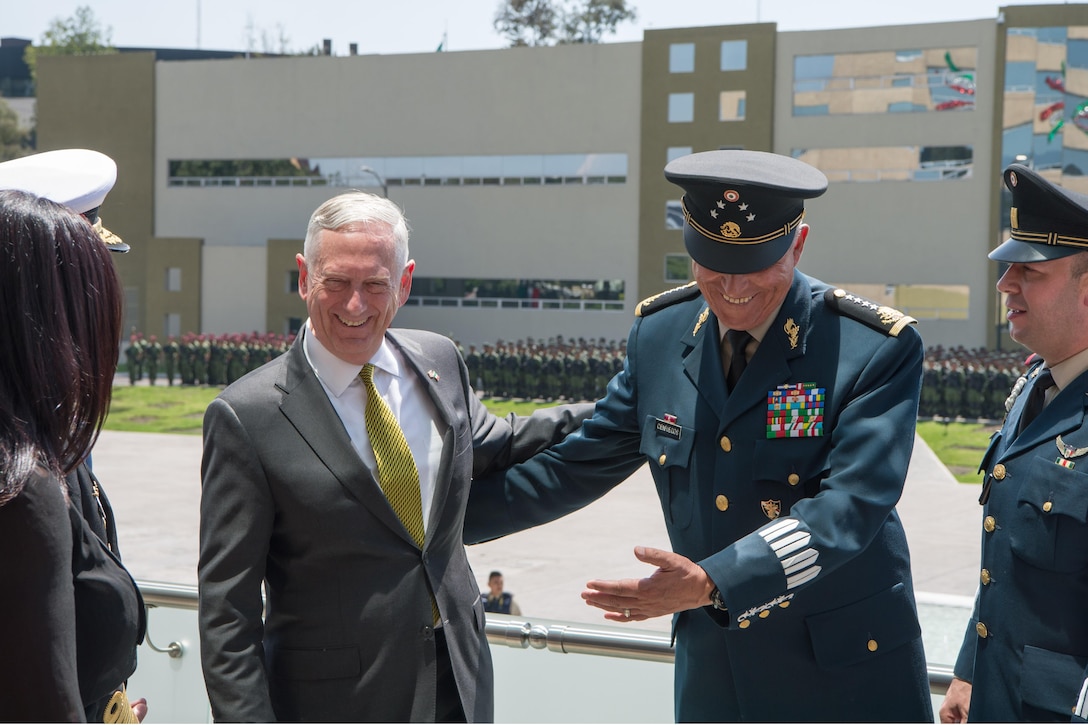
x=70 y=614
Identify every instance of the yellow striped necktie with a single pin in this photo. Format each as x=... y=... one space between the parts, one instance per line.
x=397 y=472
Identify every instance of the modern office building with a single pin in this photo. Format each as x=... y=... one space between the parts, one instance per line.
x=532 y=177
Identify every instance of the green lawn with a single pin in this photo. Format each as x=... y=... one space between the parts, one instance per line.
x=178 y=409
x=159 y=408
x=959 y=446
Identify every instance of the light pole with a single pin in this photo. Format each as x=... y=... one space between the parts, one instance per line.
x=376 y=175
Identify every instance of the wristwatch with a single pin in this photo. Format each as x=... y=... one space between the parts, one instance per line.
x=716 y=600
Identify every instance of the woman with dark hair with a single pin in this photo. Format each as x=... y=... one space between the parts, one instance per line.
x=70 y=614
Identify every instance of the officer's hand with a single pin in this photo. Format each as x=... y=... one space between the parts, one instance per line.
x=678 y=584
x=957 y=701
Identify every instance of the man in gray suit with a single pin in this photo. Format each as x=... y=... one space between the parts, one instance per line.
x=372 y=614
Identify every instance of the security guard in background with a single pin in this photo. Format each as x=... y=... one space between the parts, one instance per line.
x=496 y=600
x=80 y=179
x=1025 y=651
x=777 y=417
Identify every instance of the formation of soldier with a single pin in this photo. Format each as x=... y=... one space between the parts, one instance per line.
x=956 y=382
x=200 y=359
x=557 y=369
x=968 y=383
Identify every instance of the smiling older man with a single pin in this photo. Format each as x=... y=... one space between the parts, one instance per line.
x=336 y=477
x=777 y=417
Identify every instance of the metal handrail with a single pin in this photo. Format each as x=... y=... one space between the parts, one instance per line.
x=636 y=645
x=510 y=632
x=165 y=594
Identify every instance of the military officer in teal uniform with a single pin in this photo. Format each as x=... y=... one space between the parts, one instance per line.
x=1025 y=651
x=789 y=579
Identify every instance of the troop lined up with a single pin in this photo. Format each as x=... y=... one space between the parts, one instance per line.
x=968 y=383
x=556 y=369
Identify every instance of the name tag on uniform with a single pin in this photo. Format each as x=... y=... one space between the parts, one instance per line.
x=668 y=427
x=796 y=410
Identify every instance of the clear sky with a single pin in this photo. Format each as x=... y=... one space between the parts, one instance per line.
x=415 y=26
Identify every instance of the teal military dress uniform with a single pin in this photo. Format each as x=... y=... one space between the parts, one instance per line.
x=1026 y=646
x=791 y=515
x=1025 y=650
x=781 y=486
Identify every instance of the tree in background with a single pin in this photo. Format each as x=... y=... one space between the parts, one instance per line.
x=15 y=141
x=80 y=34
x=589 y=21
x=527 y=22
x=549 y=22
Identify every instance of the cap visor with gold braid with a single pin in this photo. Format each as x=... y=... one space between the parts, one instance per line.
x=742 y=207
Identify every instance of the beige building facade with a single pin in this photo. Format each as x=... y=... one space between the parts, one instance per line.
x=532 y=177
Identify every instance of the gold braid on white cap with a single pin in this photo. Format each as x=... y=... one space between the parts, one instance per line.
x=108 y=238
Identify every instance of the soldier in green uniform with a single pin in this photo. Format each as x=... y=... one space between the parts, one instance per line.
x=217 y=360
x=152 y=358
x=185 y=359
x=201 y=354
x=472 y=361
x=170 y=359
x=134 y=357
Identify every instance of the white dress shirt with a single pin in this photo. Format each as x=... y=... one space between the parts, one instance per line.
x=404 y=393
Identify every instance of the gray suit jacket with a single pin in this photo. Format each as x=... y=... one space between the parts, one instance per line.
x=347 y=633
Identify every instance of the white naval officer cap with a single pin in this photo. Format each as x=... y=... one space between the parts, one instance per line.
x=79 y=179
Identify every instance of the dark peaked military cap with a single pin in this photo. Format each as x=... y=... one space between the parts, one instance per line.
x=1048 y=221
x=742 y=207
x=79 y=179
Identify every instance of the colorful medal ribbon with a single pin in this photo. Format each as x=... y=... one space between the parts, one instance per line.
x=795 y=411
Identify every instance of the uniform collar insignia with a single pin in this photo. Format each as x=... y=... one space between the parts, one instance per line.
x=793 y=332
x=702 y=320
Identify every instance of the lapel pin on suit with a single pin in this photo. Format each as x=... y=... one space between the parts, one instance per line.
x=432 y=375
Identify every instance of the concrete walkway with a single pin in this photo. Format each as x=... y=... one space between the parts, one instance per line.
x=153 y=481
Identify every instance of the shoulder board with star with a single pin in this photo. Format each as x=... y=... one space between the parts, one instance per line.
x=669 y=297
x=885 y=319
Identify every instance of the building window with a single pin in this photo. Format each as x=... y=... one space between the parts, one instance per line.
x=891 y=163
x=292 y=282
x=674 y=215
x=172 y=325
x=536 y=294
x=890 y=81
x=682 y=58
x=681 y=107
x=734 y=54
x=379 y=173
x=677 y=268
x=1045 y=117
x=675 y=152
x=731 y=106
x=173 y=279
